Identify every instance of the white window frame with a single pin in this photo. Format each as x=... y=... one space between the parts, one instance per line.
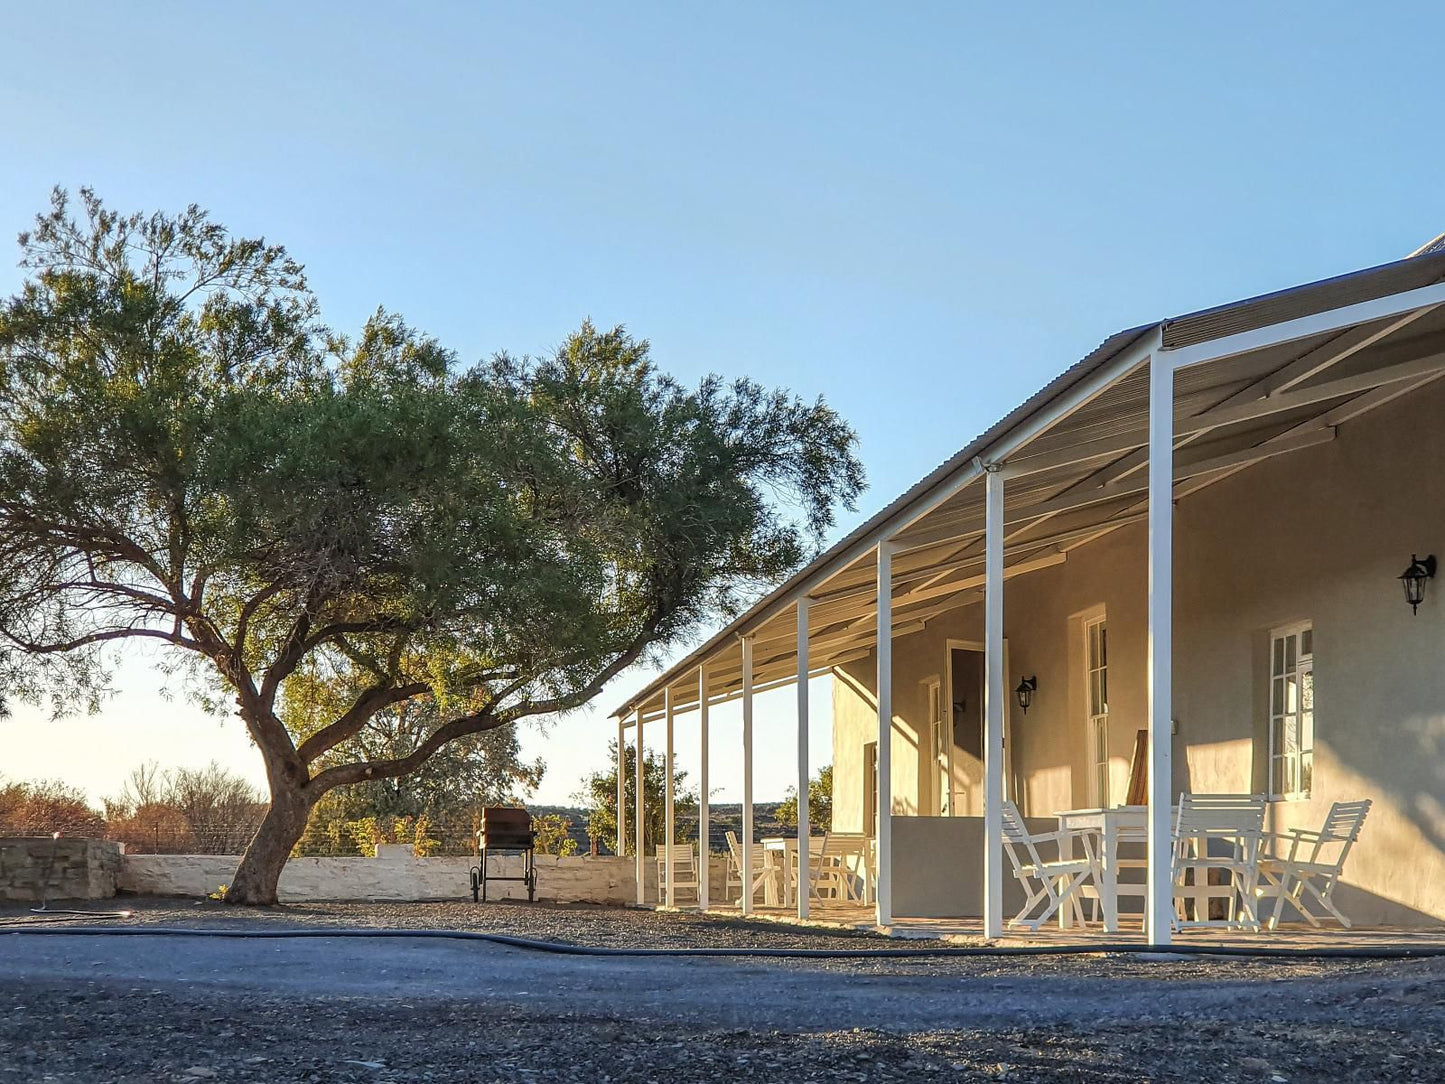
x=1281 y=713
x=1096 y=724
x=940 y=744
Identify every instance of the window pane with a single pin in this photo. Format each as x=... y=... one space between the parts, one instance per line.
x=1291 y=694
x=1289 y=653
x=1276 y=775
x=1307 y=771
x=1103 y=692
x=1307 y=689
x=1278 y=657
x=1307 y=642
x=1276 y=701
x=1103 y=645
x=1096 y=694
x=1307 y=731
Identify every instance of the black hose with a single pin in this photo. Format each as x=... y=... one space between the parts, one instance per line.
x=1396 y=951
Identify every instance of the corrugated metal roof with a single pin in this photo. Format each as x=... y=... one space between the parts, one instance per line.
x=1256 y=312
x=1248 y=314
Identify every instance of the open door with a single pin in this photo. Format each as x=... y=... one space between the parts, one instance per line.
x=966 y=677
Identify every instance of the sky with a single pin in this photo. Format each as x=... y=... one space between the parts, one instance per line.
x=921 y=214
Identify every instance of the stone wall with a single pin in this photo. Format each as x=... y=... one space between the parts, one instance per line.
x=34 y=868
x=394 y=874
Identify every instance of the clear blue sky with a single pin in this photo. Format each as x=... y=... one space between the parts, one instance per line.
x=922 y=214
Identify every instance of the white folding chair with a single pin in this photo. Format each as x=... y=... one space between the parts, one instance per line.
x=1053 y=883
x=1313 y=863
x=761 y=870
x=684 y=872
x=837 y=868
x=1217 y=840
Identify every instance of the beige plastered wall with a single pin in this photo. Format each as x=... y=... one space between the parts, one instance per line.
x=1319 y=535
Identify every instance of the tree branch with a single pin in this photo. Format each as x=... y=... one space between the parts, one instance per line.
x=355 y=717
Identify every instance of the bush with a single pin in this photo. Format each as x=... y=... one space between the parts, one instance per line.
x=46 y=807
x=553 y=836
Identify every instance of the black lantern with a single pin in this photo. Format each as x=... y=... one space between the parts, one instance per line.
x=1414 y=579
x=1025 y=692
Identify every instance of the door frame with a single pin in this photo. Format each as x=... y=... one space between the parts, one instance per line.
x=949 y=646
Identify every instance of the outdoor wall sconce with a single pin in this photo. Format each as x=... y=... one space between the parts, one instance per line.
x=1025 y=692
x=1414 y=579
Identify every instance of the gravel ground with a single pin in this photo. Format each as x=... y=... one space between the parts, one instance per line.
x=131 y=1009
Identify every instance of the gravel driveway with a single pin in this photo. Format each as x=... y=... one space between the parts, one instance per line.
x=92 y=1008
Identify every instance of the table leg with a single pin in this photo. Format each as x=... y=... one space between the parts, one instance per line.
x=1066 y=852
x=1109 y=876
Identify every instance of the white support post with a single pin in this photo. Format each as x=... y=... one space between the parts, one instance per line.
x=702 y=798
x=993 y=700
x=668 y=811
x=804 y=827
x=638 y=817
x=1159 y=906
x=621 y=787
x=747 y=840
x=884 y=785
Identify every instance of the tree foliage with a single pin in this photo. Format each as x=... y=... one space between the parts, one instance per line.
x=209 y=810
x=599 y=797
x=189 y=456
x=820 y=802
x=47 y=806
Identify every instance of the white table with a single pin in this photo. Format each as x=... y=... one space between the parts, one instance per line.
x=1110 y=827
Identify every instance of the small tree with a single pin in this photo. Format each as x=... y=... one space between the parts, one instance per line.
x=599 y=796
x=553 y=834
x=189 y=457
x=820 y=802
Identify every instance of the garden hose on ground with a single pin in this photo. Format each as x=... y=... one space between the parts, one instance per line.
x=1395 y=951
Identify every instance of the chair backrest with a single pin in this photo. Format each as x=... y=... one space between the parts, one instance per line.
x=1341 y=828
x=1220 y=812
x=1016 y=836
x=1344 y=821
x=733 y=849
x=1234 y=818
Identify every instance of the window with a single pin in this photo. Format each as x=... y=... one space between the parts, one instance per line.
x=1291 y=712
x=939 y=742
x=1096 y=681
x=870 y=789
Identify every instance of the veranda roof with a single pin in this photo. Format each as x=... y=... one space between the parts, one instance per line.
x=1075 y=456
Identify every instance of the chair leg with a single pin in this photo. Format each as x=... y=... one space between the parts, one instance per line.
x=1327 y=903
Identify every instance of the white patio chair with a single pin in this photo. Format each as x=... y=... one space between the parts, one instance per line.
x=684 y=872
x=1055 y=882
x=1217 y=835
x=762 y=871
x=1312 y=863
x=837 y=868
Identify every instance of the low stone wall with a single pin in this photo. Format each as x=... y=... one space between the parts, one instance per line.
x=34 y=868
x=394 y=874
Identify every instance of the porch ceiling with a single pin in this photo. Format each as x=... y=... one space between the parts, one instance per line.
x=1083 y=475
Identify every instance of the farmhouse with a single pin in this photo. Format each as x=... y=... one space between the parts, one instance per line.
x=1198 y=562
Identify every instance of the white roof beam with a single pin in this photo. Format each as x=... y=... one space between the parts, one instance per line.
x=1316 y=393
x=1305 y=327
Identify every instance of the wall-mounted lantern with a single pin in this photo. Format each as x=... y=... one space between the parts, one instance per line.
x=1025 y=692
x=1414 y=579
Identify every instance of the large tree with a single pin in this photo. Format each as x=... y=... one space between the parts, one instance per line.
x=189 y=457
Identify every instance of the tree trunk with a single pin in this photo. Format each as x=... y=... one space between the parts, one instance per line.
x=256 y=877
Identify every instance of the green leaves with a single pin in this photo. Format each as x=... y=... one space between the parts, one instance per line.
x=188 y=455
